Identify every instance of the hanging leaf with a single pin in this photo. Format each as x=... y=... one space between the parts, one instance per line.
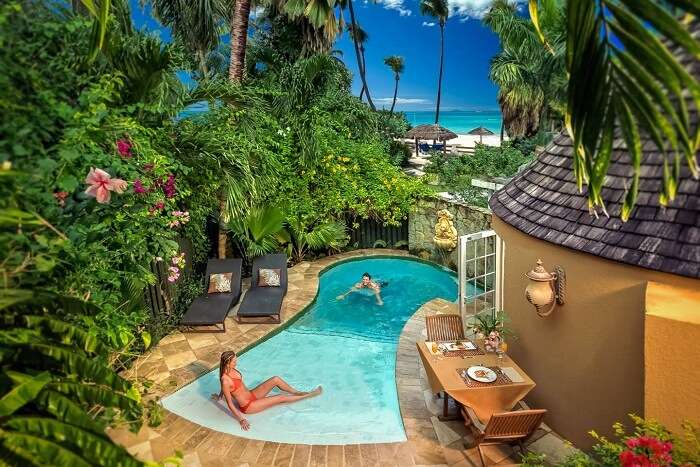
x=23 y=393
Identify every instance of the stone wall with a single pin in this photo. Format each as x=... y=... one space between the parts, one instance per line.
x=421 y=226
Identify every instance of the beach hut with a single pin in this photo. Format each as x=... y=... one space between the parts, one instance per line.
x=431 y=132
x=481 y=131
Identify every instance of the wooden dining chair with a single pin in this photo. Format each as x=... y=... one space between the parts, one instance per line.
x=443 y=328
x=503 y=428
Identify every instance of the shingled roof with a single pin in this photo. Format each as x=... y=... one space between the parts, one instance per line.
x=544 y=202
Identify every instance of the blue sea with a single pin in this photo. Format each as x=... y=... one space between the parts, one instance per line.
x=459 y=121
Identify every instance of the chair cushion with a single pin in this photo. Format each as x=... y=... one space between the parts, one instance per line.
x=211 y=309
x=262 y=301
x=269 y=278
x=220 y=283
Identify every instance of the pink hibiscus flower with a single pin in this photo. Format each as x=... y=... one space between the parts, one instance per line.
x=101 y=184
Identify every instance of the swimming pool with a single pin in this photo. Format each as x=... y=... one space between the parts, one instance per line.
x=347 y=346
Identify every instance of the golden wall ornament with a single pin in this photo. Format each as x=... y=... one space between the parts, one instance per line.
x=545 y=289
x=445 y=233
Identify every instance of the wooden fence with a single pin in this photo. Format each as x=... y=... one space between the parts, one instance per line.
x=370 y=234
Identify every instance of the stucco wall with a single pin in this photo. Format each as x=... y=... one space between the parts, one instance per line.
x=421 y=226
x=587 y=358
x=671 y=348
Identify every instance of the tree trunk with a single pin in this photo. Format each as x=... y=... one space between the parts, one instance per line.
x=503 y=129
x=442 y=57
x=396 y=90
x=359 y=55
x=203 y=68
x=223 y=238
x=239 y=39
x=363 y=70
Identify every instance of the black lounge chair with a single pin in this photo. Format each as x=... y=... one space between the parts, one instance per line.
x=212 y=309
x=264 y=304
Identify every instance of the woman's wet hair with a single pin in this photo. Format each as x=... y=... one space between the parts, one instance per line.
x=226 y=357
x=367 y=275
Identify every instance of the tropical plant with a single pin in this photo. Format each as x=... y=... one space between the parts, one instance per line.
x=531 y=79
x=625 y=71
x=396 y=64
x=438 y=9
x=486 y=323
x=359 y=35
x=197 y=25
x=260 y=231
x=306 y=236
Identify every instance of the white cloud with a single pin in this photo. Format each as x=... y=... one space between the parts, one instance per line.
x=473 y=8
x=427 y=24
x=401 y=100
x=396 y=5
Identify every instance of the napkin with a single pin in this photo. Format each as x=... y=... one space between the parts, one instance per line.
x=511 y=373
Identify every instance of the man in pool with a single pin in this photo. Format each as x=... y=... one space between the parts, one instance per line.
x=366 y=283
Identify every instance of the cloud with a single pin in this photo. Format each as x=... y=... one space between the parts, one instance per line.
x=396 y=5
x=427 y=24
x=402 y=100
x=473 y=8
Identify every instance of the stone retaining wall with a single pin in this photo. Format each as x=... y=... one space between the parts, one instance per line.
x=421 y=226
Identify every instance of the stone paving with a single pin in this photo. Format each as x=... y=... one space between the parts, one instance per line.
x=180 y=358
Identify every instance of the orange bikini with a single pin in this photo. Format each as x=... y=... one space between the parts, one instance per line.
x=237 y=383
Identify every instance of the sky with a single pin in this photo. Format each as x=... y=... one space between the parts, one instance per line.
x=396 y=27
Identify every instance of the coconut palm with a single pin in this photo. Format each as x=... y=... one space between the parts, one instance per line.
x=439 y=10
x=622 y=57
x=359 y=35
x=196 y=24
x=396 y=63
x=358 y=38
x=530 y=79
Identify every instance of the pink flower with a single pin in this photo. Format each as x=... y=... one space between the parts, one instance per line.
x=138 y=186
x=124 y=148
x=101 y=184
x=60 y=197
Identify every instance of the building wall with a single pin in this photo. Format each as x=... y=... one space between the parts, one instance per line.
x=587 y=358
x=671 y=348
x=421 y=226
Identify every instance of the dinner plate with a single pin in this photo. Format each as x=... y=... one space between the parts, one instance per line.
x=482 y=374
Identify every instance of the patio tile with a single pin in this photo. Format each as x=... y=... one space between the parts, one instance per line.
x=301 y=456
x=369 y=454
x=179 y=360
x=318 y=456
x=252 y=450
x=553 y=447
x=283 y=457
x=352 y=455
x=497 y=452
x=334 y=456
x=445 y=434
x=268 y=452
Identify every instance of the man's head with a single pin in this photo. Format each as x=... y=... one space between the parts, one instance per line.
x=366 y=278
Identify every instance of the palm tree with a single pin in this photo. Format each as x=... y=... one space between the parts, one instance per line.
x=356 y=34
x=396 y=63
x=239 y=39
x=195 y=24
x=439 y=10
x=531 y=79
x=624 y=69
x=360 y=36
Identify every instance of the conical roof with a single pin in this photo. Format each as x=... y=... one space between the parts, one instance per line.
x=431 y=131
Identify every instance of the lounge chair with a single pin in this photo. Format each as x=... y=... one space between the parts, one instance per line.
x=211 y=309
x=503 y=428
x=264 y=304
x=444 y=328
x=424 y=147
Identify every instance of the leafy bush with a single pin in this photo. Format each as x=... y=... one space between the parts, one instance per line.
x=456 y=171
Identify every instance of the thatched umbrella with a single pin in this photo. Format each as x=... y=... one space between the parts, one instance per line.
x=481 y=131
x=431 y=131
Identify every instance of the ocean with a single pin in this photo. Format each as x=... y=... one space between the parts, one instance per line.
x=459 y=121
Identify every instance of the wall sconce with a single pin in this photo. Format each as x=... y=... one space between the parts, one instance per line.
x=545 y=289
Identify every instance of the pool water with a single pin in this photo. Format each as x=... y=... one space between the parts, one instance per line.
x=347 y=346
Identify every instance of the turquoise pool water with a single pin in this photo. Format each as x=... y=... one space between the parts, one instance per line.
x=347 y=346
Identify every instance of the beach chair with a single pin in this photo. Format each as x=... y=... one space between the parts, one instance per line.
x=503 y=428
x=444 y=328
x=438 y=147
x=211 y=309
x=424 y=147
x=263 y=304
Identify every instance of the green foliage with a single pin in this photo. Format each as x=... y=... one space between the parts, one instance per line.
x=624 y=69
x=304 y=237
x=488 y=323
x=531 y=459
x=260 y=231
x=685 y=449
x=456 y=171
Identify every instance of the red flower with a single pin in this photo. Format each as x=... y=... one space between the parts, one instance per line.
x=148 y=167
x=138 y=186
x=124 y=148
x=646 y=451
x=61 y=197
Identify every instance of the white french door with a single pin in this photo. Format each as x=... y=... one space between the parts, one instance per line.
x=480 y=269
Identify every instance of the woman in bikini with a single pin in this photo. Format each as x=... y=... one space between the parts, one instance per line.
x=257 y=399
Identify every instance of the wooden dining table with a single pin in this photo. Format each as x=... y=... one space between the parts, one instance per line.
x=484 y=400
